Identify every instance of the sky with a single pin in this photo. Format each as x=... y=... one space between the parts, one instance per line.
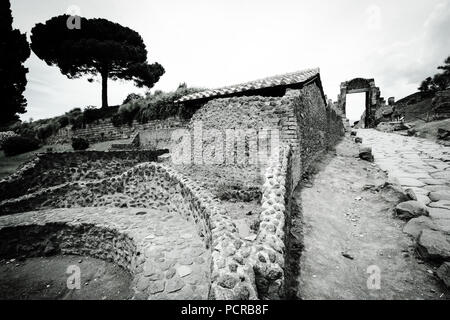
x=212 y=43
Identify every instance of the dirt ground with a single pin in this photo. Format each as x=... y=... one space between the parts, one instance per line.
x=46 y=278
x=349 y=230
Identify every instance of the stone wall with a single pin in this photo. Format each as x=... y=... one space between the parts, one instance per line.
x=317 y=128
x=245 y=130
x=52 y=169
x=269 y=256
x=241 y=129
x=306 y=127
x=152 y=185
x=36 y=240
x=152 y=134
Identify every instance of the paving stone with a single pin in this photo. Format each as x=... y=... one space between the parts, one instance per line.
x=436 y=187
x=441 y=175
x=199 y=260
x=423 y=199
x=434 y=181
x=439 y=195
x=442 y=225
x=156 y=286
x=174 y=285
x=183 y=271
x=185 y=260
x=443 y=273
x=150 y=268
x=410 y=182
x=434 y=245
x=415 y=226
x=143 y=283
x=444 y=204
x=439 y=213
x=170 y=273
x=411 y=209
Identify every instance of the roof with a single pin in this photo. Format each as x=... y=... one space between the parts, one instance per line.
x=278 y=80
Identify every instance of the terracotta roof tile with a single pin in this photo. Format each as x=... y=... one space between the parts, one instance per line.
x=284 y=79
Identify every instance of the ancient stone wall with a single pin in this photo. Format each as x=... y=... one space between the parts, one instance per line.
x=152 y=185
x=51 y=169
x=306 y=127
x=34 y=240
x=317 y=129
x=240 y=269
x=244 y=130
x=152 y=134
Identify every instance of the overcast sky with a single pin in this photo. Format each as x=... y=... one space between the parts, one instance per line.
x=211 y=43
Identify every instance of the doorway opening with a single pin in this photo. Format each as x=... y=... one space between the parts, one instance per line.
x=356 y=105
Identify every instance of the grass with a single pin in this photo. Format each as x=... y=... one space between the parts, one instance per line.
x=9 y=165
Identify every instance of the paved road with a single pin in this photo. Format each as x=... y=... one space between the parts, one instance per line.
x=349 y=231
x=418 y=164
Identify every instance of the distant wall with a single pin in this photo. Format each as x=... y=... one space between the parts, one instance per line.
x=51 y=169
x=154 y=134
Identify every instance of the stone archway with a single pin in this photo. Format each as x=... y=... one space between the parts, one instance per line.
x=373 y=99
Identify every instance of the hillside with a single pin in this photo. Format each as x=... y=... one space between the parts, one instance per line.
x=416 y=106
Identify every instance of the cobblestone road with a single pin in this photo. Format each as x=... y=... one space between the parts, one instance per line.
x=418 y=164
x=424 y=167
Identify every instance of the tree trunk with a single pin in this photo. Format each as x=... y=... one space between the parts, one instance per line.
x=104 y=88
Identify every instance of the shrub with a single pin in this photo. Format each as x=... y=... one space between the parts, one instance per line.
x=18 y=145
x=77 y=122
x=131 y=97
x=161 y=105
x=6 y=135
x=91 y=114
x=116 y=120
x=79 y=144
x=43 y=132
x=63 y=121
x=24 y=129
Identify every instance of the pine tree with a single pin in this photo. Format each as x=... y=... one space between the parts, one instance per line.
x=14 y=51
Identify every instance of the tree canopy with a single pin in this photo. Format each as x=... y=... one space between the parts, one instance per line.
x=98 y=47
x=440 y=81
x=15 y=51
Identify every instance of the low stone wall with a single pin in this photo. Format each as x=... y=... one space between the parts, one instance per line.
x=152 y=185
x=152 y=134
x=166 y=260
x=270 y=249
x=34 y=240
x=51 y=169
